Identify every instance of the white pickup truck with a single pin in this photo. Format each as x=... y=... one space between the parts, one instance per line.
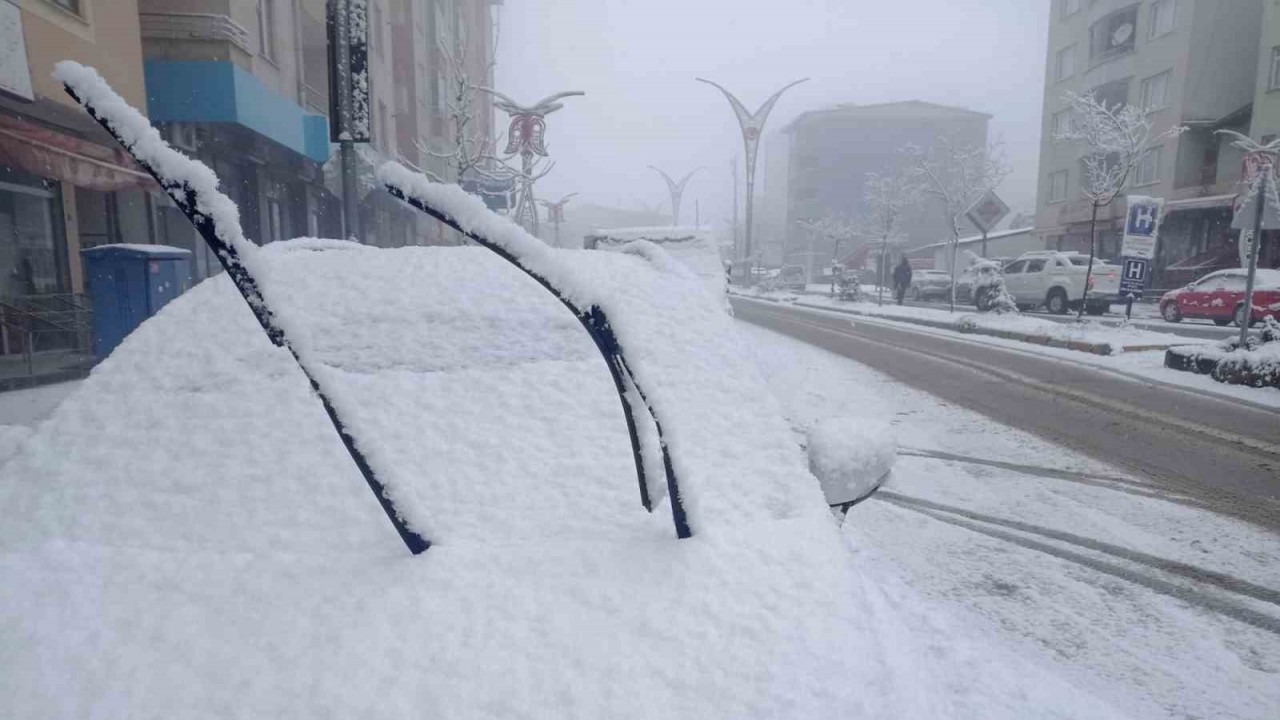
x=1056 y=280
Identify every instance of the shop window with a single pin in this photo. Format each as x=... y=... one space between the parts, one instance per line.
x=30 y=246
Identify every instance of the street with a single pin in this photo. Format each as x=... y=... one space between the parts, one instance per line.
x=1141 y=594
x=1216 y=453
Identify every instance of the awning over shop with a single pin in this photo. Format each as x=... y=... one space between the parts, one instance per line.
x=1200 y=203
x=46 y=152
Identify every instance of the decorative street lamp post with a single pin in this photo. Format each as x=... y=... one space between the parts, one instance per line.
x=677 y=191
x=555 y=212
x=526 y=137
x=752 y=125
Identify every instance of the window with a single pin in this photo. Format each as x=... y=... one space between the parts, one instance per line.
x=1163 y=17
x=1058 y=186
x=1154 y=92
x=71 y=6
x=1274 y=82
x=1112 y=94
x=1068 y=8
x=1148 y=170
x=1015 y=267
x=1113 y=35
x=1035 y=266
x=267 y=28
x=1064 y=65
x=1061 y=123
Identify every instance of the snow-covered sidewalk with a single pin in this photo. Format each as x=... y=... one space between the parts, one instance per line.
x=1136 y=595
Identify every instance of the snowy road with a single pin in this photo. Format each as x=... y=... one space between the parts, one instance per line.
x=1213 y=453
x=1045 y=557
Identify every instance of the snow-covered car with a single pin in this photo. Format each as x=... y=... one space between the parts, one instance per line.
x=188 y=536
x=1056 y=280
x=694 y=247
x=929 y=284
x=1219 y=297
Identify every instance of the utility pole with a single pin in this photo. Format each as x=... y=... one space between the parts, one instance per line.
x=676 y=189
x=1260 y=205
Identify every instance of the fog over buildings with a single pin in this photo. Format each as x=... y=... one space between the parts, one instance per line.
x=637 y=63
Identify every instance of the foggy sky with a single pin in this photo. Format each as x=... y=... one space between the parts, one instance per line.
x=637 y=60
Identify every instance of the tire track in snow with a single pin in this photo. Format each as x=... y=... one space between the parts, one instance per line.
x=991 y=526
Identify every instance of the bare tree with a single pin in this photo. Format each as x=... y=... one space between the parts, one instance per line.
x=833 y=229
x=887 y=196
x=957 y=175
x=469 y=148
x=1115 y=138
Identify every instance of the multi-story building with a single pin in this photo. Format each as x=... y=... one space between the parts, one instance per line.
x=64 y=183
x=261 y=116
x=1265 y=124
x=1189 y=63
x=833 y=150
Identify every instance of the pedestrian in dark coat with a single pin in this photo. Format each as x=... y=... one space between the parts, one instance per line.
x=901 y=279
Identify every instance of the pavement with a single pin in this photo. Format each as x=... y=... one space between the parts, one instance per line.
x=1213 y=453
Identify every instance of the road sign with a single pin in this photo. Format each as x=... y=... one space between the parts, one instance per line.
x=987 y=211
x=1133 y=280
x=1141 y=227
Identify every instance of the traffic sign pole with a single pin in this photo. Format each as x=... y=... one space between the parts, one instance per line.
x=1259 y=205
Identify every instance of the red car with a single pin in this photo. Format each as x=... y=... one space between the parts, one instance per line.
x=1219 y=297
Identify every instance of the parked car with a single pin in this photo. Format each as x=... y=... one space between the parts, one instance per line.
x=793 y=278
x=1056 y=280
x=926 y=284
x=1219 y=297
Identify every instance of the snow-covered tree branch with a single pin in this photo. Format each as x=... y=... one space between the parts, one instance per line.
x=1116 y=138
x=957 y=175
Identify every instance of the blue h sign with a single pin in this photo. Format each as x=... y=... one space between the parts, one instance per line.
x=1134 y=278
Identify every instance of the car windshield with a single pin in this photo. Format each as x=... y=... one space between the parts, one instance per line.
x=616 y=359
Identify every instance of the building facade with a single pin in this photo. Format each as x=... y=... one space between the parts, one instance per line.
x=64 y=184
x=1189 y=63
x=831 y=152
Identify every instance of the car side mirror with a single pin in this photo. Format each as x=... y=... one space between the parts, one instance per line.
x=851 y=458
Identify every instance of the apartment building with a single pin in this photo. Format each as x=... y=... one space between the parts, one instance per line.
x=832 y=150
x=1190 y=63
x=64 y=184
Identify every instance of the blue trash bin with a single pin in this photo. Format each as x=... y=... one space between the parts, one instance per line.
x=130 y=283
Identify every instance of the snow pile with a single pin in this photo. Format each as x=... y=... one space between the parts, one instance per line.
x=729 y=448
x=185 y=537
x=850 y=457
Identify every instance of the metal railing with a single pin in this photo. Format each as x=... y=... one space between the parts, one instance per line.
x=36 y=324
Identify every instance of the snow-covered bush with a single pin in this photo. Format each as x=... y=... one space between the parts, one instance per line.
x=1257 y=364
x=848 y=287
x=989 y=291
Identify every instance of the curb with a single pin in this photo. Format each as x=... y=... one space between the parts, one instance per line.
x=1102 y=348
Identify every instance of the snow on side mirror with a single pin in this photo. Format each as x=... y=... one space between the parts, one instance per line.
x=851 y=458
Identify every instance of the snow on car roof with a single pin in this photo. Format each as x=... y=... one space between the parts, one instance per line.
x=692 y=246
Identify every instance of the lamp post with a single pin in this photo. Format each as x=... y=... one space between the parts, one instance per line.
x=751 y=124
x=526 y=137
x=677 y=191
x=555 y=212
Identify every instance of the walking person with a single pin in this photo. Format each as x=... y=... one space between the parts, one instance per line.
x=901 y=279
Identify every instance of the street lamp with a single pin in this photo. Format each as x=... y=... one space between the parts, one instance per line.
x=752 y=124
x=526 y=136
x=555 y=212
x=677 y=191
